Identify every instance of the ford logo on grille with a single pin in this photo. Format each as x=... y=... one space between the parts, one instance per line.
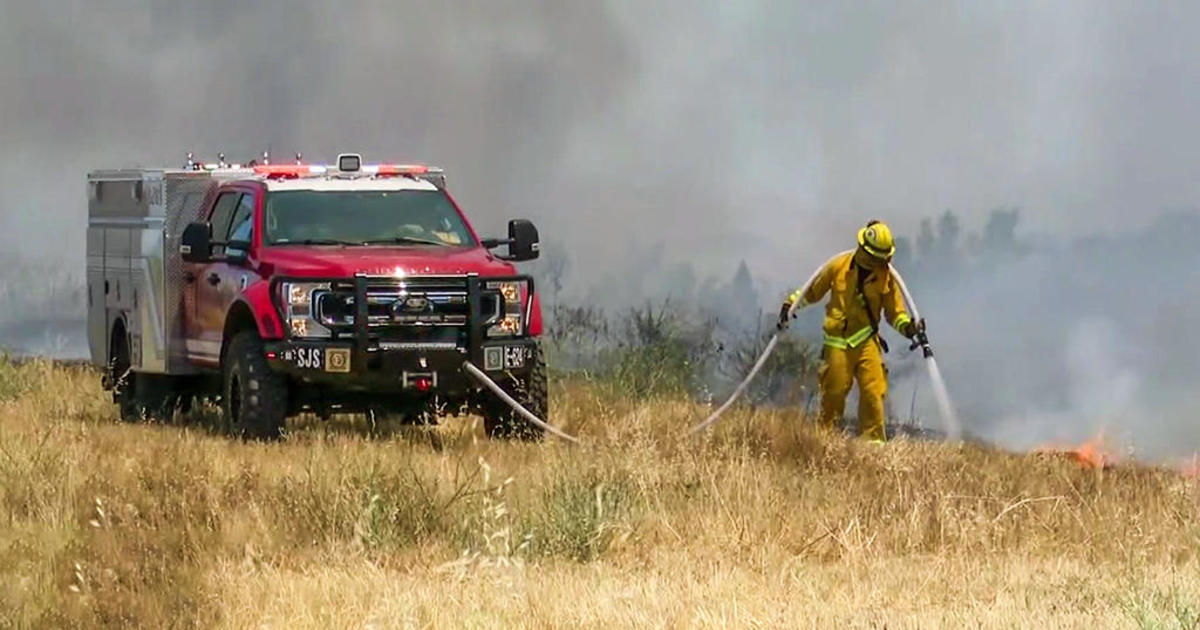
x=411 y=306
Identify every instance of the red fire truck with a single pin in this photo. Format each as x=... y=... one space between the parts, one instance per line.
x=279 y=289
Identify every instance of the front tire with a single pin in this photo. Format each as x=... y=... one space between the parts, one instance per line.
x=253 y=397
x=502 y=422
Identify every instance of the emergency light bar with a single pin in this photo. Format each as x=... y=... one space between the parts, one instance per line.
x=348 y=165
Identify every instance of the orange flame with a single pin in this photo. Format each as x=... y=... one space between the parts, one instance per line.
x=1091 y=454
x=1094 y=455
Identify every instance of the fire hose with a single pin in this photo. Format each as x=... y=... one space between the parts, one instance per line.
x=939 y=385
x=487 y=382
x=762 y=360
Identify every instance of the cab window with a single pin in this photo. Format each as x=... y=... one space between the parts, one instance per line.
x=241 y=226
x=223 y=213
x=417 y=218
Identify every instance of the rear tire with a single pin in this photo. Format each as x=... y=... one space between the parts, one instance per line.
x=124 y=380
x=155 y=396
x=502 y=422
x=139 y=396
x=253 y=397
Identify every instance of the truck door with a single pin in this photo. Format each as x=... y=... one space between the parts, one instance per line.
x=217 y=284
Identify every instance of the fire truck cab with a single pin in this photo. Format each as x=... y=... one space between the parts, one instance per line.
x=280 y=289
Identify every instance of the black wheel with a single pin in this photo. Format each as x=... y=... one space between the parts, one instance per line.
x=155 y=396
x=139 y=396
x=123 y=379
x=423 y=416
x=185 y=403
x=253 y=397
x=501 y=421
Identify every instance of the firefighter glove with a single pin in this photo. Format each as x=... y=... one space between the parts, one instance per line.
x=918 y=337
x=914 y=330
x=785 y=312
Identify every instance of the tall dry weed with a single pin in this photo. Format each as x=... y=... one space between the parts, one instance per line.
x=156 y=525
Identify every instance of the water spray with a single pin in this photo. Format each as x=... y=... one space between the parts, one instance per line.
x=949 y=419
x=940 y=394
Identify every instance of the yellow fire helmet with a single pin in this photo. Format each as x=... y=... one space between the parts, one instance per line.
x=876 y=240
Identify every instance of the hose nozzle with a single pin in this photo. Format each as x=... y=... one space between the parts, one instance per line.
x=921 y=340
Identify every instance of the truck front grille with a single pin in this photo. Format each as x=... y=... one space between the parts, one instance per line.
x=413 y=310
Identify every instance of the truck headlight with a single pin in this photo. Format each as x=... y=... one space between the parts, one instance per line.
x=299 y=294
x=514 y=294
x=296 y=298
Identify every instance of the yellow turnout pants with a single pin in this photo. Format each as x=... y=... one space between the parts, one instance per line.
x=841 y=366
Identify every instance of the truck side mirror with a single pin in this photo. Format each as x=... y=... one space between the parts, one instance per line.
x=195 y=245
x=523 y=241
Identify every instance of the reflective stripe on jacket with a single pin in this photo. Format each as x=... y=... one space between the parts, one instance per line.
x=847 y=323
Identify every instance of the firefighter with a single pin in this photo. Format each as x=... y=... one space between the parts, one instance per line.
x=860 y=285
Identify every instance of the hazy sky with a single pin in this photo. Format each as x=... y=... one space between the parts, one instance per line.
x=769 y=130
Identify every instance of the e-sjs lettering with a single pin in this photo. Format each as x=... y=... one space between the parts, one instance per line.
x=309 y=358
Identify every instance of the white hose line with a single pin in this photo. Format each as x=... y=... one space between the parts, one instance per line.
x=762 y=359
x=511 y=402
x=912 y=306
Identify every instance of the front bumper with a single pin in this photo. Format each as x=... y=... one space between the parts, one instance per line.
x=333 y=365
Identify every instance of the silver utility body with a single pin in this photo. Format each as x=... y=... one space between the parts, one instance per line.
x=134 y=272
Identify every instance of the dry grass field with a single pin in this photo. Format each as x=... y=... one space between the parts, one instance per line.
x=762 y=523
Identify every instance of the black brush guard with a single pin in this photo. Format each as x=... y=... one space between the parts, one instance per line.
x=381 y=358
x=477 y=321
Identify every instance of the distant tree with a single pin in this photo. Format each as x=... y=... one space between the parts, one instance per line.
x=998 y=240
x=926 y=240
x=938 y=248
x=742 y=286
x=739 y=302
x=948 y=231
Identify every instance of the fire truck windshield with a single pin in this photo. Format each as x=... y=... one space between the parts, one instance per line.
x=366 y=217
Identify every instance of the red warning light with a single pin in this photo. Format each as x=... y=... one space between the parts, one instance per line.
x=289 y=171
x=400 y=169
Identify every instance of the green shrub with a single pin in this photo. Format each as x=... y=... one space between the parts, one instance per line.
x=580 y=516
x=787 y=378
x=15 y=378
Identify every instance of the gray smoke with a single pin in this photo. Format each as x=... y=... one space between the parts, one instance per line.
x=698 y=134
x=1051 y=342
